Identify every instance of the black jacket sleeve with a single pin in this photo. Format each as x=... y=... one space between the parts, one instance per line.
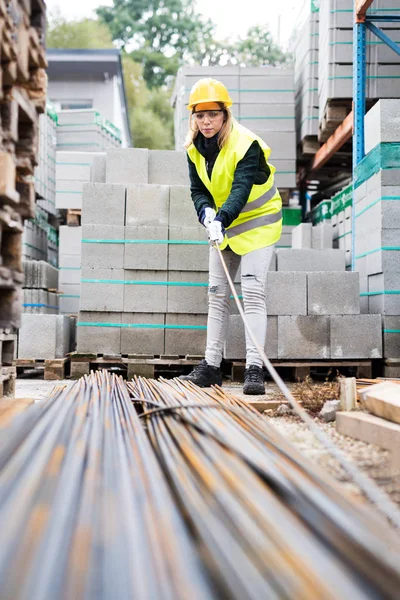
x=200 y=195
x=247 y=174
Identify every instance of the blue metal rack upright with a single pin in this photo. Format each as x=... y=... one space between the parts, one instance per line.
x=362 y=22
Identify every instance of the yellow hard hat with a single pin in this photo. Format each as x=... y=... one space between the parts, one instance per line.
x=208 y=90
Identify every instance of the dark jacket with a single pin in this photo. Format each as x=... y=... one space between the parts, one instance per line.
x=251 y=170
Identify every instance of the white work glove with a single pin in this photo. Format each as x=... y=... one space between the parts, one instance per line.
x=209 y=216
x=216 y=232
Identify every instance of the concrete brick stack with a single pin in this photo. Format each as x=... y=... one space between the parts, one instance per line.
x=73 y=169
x=335 y=80
x=144 y=259
x=313 y=308
x=85 y=131
x=263 y=101
x=377 y=225
x=70 y=269
x=40 y=287
x=306 y=81
x=45 y=172
x=23 y=97
x=45 y=336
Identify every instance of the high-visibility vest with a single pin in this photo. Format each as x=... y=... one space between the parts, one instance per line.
x=259 y=224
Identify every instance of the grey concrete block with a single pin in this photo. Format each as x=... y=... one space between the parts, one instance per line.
x=301 y=236
x=102 y=290
x=303 y=337
x=97 y=339
x=191 y=298
x=391 y=336
x=181 y=209
x=356 y=336
x=103 y=204
x=384 y=293
x=69 y=261
x=322 y=236
x=333 y=293
x=70 y=239
x=68 y=305
x=289 y=259
x=383 y=261
x=286 y=293
x=98 y=254
x=168 y=167
x=98 y=171
x=142 y=339
x=143 y=297
x=188 y=257
x=235 y=346
x=147 y=256
x=127 y=165
x=43 y=336
x=147 y=205
x=185 y=341
x=70 y=275
x=382 y=123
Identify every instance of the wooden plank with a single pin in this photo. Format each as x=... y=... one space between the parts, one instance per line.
x=342 y=134
x=348 y=395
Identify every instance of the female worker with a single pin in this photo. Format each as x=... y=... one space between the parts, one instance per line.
x=233 y=191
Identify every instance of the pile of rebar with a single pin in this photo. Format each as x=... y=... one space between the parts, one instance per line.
x=157 y=489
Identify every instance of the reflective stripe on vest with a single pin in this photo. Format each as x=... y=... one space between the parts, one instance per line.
x=253 y=224
x=259 y=201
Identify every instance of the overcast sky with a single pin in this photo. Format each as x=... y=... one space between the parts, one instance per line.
x=232 y=18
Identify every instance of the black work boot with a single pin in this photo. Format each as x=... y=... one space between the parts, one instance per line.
x=254 y=381
x=204 y=375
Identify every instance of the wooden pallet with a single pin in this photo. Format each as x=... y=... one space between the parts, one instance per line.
x=73 y=217
x=298 y=370
x=143 y=365
x=54 y=369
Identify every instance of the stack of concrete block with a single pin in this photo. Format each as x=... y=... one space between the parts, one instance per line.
x=70 y=269
x=85 y=131
x=306 y=81
x=144 y=259
x=73 y=169
x=336 y=59
x=377 y=222
x=45 y=176
x=40 y=287
x=263 y=101
x=341 y=211
x=317 y=237
x=45 y=336
x=313 y=308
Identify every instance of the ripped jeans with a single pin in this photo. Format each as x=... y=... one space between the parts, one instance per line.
x=255 y=266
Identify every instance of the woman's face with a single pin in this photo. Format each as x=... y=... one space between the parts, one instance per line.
x=209 y=121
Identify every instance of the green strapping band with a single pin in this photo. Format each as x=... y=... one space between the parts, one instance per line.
x=391 y=331
x=69 y=268
x=390 y=248
x=383 y=198
x=383 y=293
x=69 y=296
x=178 y=242
x=383 y=156
x=339 y=237
x=75 y=164
x=141 y=325
x=122 y=282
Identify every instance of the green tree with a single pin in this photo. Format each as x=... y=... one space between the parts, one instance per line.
x=86 y=33
x=259 y=48
x=159 y=34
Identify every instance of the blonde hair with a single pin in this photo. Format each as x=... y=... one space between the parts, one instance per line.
x=224 y=131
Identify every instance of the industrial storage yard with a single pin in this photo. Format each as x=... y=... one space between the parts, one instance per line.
x=131 y=464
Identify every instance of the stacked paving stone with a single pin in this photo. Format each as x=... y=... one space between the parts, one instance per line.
x=85 y=131
x=263 y=101
x=144 y=259
x=335 y=83
x=377 y=225
x=306 y=81
x=313 y=308
x=40 y=287
x=70 y=269
x=22 y=99
x=45 y=172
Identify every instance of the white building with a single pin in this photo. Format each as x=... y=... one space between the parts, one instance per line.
x=90 y=79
